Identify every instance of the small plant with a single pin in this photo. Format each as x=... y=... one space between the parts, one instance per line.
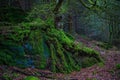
x=117 y=66
x=101 y=64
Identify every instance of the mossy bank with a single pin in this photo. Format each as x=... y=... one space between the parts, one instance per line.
x=38 y=44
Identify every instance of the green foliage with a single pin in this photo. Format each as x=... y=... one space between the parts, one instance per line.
x=117 y=66
x=31 y=78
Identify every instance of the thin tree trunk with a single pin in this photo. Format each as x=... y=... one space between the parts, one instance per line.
x=56 y=12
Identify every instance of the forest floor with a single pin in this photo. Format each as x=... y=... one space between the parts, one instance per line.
x=107 y=71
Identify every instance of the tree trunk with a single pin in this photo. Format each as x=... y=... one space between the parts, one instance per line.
x=57 y=18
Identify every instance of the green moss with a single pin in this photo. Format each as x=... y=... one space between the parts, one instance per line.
x=64 y=52
x=31 y=78
x=61 y=61
x=101 y=64
x=85 y=51
x=56 y=56
x=72 y=63
x=89 y=51
x=61 y=36
x=37 y=23
x=53 y=57
x=62 y=57
x=105 y=45
x=77 y=46
x=89 y=61
x=38 y=47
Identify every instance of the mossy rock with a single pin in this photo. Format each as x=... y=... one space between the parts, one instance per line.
x=31 y=78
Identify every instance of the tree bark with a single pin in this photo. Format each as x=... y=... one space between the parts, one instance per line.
x=57 y=19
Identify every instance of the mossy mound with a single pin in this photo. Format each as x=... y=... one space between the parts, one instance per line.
x=50 y=48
